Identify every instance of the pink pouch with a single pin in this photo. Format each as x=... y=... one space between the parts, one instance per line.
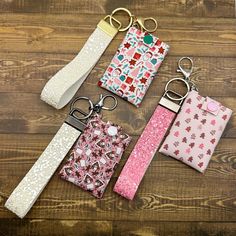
x=95 y=156
x=196 y=131
x=134 y=65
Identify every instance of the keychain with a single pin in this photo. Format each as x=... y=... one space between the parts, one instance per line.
x=95 y=155
x=61 y=88
x=196 y=130
x=150 y=139
x=136 y=61
x=28 y=190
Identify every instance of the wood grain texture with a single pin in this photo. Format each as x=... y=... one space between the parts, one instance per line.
x=47 y=33
x=118 y=228
x=206 y=8
x=37 y=38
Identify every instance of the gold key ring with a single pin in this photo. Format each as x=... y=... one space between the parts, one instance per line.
x=129 y=15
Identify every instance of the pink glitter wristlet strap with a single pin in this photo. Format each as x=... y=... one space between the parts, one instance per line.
x=143 y=152
x=149 y=141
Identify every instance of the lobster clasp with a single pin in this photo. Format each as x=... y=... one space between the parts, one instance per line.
x=186 y=72
x=141 y=23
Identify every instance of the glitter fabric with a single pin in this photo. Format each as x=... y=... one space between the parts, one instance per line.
x=196 y=131
x=60 y=89
x=134 y=66
x=143 y=152
x=29 y=189
x=95 y=156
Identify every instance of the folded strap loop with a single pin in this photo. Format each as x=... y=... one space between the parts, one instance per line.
x=61 y=88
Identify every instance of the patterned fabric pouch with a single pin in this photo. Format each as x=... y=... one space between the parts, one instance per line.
x=196 y=131
x=134 y=66
x=95 y=156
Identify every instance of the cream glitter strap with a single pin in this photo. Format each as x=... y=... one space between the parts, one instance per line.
x=26 y=193
x=60 y=89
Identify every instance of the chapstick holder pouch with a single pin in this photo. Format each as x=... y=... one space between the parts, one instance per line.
x=134 y=66
x=95 y=156
x=196 y=131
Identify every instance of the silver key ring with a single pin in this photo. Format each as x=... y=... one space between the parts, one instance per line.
x=168 y=91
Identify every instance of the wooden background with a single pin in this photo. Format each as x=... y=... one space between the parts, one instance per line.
x=37 y=38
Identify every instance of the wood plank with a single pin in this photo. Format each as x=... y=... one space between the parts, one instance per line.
x=170 y=191
x=26 y=113
x=42 y=227
x=29 y=72
x=207 y=8
x=45 y=227
x=173 y=228
x=47 y=33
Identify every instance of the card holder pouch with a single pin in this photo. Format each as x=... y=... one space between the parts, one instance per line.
x=196 y=131
x=134 y=66
x=95 y=156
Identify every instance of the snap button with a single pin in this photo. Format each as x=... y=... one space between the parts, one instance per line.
x=212 y=106
x=112 y=131
x=148 y=39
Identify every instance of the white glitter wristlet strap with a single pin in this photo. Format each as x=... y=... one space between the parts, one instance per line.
x=28 y=190
x=60 y=89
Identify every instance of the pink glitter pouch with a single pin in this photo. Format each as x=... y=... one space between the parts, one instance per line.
x=134 y=65
x=196 y=131
x=95 y=156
